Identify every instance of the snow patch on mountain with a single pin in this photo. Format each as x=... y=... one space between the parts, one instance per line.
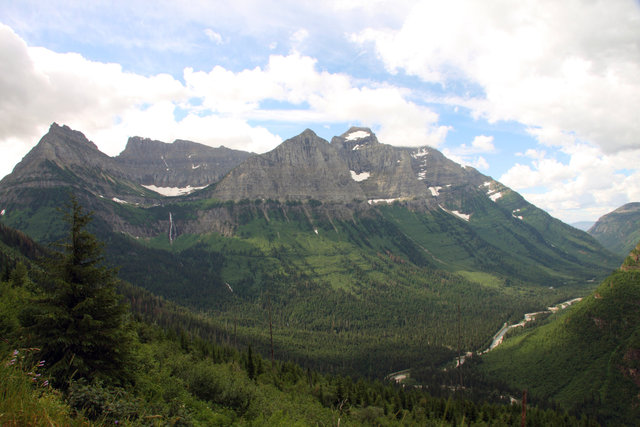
x=172 y=191
x=378 y=201
x=513 y=214
x=420 y=153
x=492 y=193
x=495 y=196
x=457 y=213
x=435 y=191
x=358 y=134
x=359 y=176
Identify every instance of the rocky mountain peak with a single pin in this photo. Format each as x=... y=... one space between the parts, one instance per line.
x=65 y=146
x=137 y=144
x=356 y=138
x=301 y=168
x=69 y=134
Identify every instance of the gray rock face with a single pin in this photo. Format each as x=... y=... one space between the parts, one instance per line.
x=301 y=168
x=180 y=164
x=404 y=173
x=382 y=171
x=354 y=166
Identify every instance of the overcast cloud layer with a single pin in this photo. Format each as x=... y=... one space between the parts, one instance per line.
x=542 y=95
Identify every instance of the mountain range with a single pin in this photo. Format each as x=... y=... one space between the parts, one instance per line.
x=353 y=242
x=353 y=173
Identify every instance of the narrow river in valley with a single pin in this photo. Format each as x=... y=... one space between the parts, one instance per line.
x=498 y=338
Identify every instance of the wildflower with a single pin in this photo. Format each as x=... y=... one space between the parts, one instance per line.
x=45 y=383
x=41 y=364
x=15 y=352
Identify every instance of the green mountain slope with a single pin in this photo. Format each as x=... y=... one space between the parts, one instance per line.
x=586 y=359
x=183 y=373
x=364 y=281
x=619 y=231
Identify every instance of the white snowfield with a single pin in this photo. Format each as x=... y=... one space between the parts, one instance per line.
x=359 y=176
x=459 y=214
x=435 y=191
x=495 y=196
x=358 y=134
x=173 y=191
x=513 y=214
x=378 y=201
x=420 y=153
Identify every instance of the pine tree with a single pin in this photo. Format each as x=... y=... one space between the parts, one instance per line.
x=80 y=323
x=251 y=367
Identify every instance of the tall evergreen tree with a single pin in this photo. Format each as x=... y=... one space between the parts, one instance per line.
x=79 y=323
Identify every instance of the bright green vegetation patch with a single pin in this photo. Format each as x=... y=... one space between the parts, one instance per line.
x=484 y=279
x=537 y=250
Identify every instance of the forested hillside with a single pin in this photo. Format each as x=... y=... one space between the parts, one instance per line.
x=169 y=365
x=587 y=358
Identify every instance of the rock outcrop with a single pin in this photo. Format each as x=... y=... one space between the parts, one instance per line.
x=301 y=168
x=382 y=171
x=179 y=164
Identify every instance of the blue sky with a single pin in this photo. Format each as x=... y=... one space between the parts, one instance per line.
x=541 y=95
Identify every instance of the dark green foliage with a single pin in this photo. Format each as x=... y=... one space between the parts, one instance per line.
x=251 y=366
x=108 y=404
x=79 y=322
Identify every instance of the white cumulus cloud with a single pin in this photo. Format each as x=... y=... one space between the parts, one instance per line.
x=469 y=155
x=585 y=187
x=566 y=69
